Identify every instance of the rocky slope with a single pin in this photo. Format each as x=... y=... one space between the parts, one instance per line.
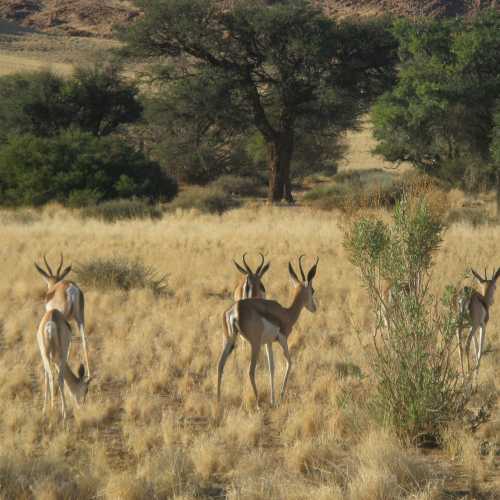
x=97 y=17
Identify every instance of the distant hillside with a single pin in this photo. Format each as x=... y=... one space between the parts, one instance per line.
x=97 y=17
x=73 y=17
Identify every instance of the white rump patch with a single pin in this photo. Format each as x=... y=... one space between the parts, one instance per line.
x=72 y=294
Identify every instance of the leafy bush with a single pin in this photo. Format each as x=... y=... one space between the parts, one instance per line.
x=77 y=168
x=120 y=273
x=240 y=186
x=111 y=211
x=95 y=99
x=209 y=200
x=418 y=388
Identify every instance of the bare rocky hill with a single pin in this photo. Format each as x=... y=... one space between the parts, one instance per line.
x=97 y=17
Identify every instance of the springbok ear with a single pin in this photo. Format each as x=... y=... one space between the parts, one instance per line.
x=497 y=274
x=293 y=276
x=41 y=271
x=240 y=269
x=64 y=273
x=81 y=371
x=264 y=270
x=312 y=271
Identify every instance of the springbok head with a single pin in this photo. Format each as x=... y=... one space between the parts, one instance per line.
x=488 y=285
x=304 y=285
x=50 y=278
x=252 y=287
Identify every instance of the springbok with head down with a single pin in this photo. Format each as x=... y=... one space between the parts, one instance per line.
x=54 y=338
x=66 y=297
x=250 y=286
x=261 y=321
x=475 y=309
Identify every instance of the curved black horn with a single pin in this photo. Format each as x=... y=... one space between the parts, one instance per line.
x=312 y=271
x=497 y=274
x=300 y=267
x=48 y=267
x=246 y=265
x=261 y=264
x=60 y=266
x=477 y=275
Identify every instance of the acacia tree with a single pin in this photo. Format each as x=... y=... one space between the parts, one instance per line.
x=440 y=115
x=272 y=67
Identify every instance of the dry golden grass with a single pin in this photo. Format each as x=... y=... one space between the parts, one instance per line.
x=151 y=426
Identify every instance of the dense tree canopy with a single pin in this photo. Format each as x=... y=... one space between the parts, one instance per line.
x=95 y=99
x=440 y=115
x=278 y=69
x=76 y=167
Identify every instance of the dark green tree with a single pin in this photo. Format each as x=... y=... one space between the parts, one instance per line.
x=439 y=116
x=276 y=68
x=76 y=167
x=95 y=99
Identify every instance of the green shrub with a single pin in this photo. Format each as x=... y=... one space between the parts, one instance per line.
x=419 y=389
x=111 y=211
x=208 y=200
x=239 y=186
x=120 y=273
x=77 y=168
x=95 y=99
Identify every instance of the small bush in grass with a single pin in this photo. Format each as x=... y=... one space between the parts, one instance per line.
x=112 y=211
x=240 y=186
x=473 y=216
x=120 y=273
x=419 y=390
x=209 y=200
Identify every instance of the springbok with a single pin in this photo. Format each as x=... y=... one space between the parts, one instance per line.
x=475 y=308
x=261 y=321
x=250 y=286
x=54 y=338
x=66 y=297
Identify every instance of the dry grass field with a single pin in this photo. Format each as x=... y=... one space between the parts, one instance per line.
x=151 y=427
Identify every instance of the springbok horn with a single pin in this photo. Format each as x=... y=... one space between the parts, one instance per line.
x=300 y=267
x=481 y=280
x=261 y=264
x=48 y=267
x=60 y=266
x=246 y=265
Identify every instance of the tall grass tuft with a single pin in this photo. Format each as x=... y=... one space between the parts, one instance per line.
x=112 y=211
x=120 y=273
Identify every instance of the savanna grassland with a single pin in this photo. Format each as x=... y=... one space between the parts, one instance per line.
x=151 y=427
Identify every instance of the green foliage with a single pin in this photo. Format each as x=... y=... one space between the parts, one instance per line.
x=440 y=114
x=115 y=210
x=418 y=387
x=95 y=99
x=284 y=70
x=120 y=273
x=77 y=168
x=208 y=200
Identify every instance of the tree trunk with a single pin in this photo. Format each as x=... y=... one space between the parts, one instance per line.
x=279 y=157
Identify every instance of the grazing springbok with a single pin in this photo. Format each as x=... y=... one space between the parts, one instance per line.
x=250 y=286
x=261 y=321
x=54 y=338
x=66 y=297
x=475 y=309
